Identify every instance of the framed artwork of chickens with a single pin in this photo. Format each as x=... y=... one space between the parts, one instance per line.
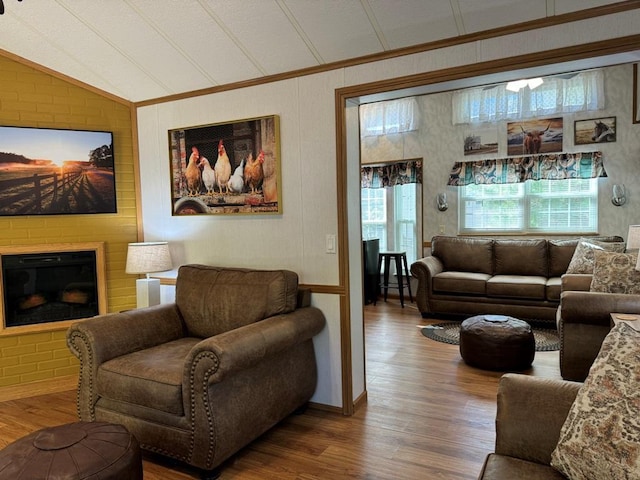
x=226 y=168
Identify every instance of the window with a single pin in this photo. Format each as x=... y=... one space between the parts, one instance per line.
x=574 y=92
x=543 y=206
x=391 y=214
x=374 y=215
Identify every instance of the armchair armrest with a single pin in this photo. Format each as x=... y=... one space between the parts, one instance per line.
x=576 y=281
x=117 y=334
x=101 y=338
x=593 y=308
x=243 y=347
x=531 y=412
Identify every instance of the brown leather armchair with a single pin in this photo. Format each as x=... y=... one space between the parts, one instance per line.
x=583 y=320
x=531 y=412
x=198 y=379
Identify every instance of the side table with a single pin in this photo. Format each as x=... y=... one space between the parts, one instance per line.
x=631 y=319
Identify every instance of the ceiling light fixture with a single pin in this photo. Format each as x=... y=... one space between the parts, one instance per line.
x=2 y=6
x=517 y=85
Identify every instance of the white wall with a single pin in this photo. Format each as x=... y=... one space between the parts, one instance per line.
x=296 y=239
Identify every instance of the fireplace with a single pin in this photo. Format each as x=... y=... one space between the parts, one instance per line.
x=44 y=286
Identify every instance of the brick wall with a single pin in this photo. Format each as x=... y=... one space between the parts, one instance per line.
x=29 y=97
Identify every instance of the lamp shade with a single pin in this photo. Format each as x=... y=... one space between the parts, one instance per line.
x=148 y=257
x=633 y=237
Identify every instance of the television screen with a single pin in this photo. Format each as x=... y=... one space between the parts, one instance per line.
x=46 y=171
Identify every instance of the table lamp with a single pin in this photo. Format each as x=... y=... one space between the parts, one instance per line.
x=148 y=257
x=633 y=238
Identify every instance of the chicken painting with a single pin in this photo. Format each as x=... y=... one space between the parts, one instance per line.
x=253 y=172
x=222 y=168
x=236 y=182
x=208 y=175
x=192 y=174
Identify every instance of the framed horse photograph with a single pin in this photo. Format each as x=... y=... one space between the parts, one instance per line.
x=595 y=130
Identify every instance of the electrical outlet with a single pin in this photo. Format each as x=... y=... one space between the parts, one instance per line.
x=441 y=229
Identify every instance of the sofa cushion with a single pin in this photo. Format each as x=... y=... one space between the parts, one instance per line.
x=151 y=378
x=582 y=260
x=214 y=300
x=615 y=273
x=553 y=289
x=517 y=286
x=521 y=257
x=468 y=283
x=601 y=435
x=464 y=254
x=501 y=467
x=560 y=254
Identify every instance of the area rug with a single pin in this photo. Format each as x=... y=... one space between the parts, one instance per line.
x=547 y=340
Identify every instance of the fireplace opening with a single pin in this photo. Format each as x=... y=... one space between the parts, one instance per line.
x=49 y=287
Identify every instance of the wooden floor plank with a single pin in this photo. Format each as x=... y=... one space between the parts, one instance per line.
x=428 y=415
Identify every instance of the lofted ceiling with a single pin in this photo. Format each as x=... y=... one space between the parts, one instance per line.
x=145 y=49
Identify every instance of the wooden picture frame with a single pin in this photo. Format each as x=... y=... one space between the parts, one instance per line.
x=594 y=130
x=226 y=168
x=50 y=171
x=535 y=136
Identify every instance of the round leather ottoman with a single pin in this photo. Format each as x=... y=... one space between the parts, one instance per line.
x=78 y=451
x=497 y=342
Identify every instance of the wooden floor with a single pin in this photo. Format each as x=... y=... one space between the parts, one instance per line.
x=428 y=416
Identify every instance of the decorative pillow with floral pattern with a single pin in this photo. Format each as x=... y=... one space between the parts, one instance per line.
x=601 y=435
x=615 y=273
x=582 y=260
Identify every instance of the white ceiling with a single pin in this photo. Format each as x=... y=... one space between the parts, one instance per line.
x=144 y=49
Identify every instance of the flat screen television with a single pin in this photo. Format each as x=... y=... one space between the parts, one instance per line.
x=46 y=171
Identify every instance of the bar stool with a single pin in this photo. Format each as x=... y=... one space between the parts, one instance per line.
x=400 y=259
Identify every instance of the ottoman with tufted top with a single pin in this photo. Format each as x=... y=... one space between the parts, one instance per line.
x=497 y=342
x=78 y=451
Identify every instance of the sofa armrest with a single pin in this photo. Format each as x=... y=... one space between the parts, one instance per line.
x=215 y=358
x=593 y=308
x=576 y=282
x=531 y=412
x=424 y=270
x=426 y=267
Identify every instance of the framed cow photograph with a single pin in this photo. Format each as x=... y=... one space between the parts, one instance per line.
x=534 y=137
x=595 y=130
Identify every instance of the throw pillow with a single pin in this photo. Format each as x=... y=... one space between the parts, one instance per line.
x=582 y=260
x=615 y=273
x=601 y=436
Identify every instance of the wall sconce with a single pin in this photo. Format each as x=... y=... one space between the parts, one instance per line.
x=441 y=201
x=619 y=196
x=148 y=257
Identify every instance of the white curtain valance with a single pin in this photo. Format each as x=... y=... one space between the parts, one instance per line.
x=393 y=116
x=558 y=94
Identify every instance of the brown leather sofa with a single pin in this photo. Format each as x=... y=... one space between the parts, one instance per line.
x=473 y=276
x=531 y=412
x=583 y=320
x=198 y=379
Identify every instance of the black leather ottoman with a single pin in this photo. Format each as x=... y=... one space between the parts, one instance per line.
x=78 y=451
x=497 y=342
